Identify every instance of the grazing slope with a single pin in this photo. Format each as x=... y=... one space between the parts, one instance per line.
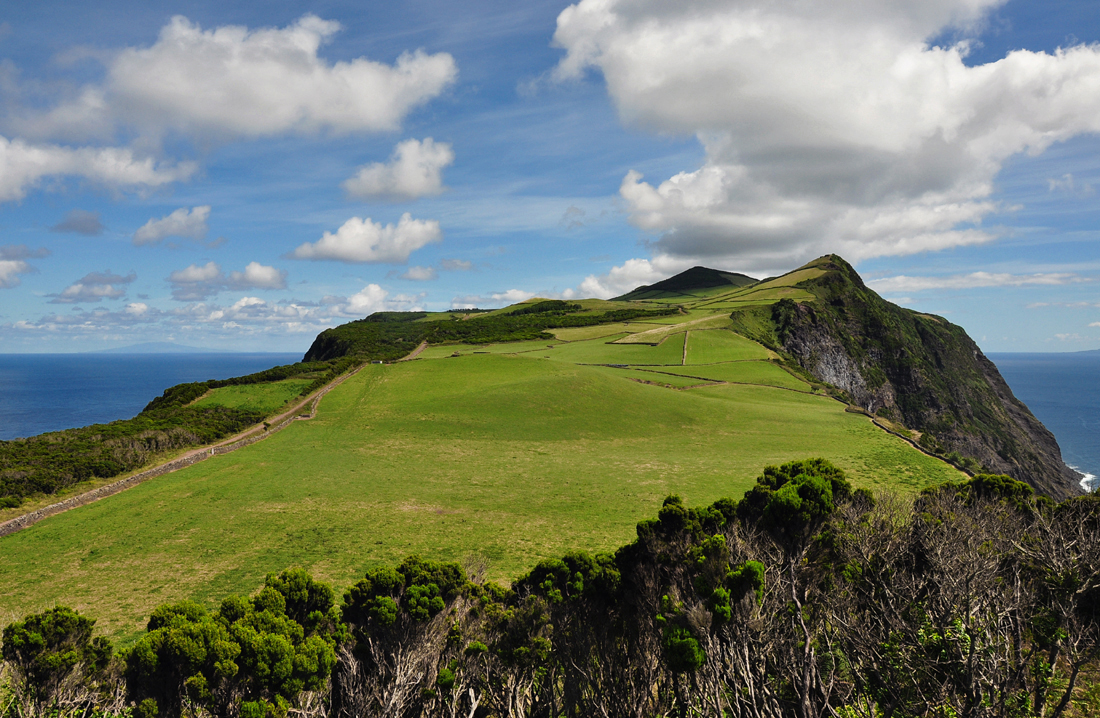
x=512 y=452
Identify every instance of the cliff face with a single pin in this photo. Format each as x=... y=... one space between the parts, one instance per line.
x=921 y=371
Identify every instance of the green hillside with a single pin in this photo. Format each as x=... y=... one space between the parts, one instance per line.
x=508 y=452
x=690 y=284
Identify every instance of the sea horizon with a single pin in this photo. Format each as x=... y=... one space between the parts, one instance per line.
x=44 y=392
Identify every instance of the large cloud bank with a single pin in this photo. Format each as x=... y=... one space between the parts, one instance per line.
x=206 y=86
x=827 y=126
x=233 y=81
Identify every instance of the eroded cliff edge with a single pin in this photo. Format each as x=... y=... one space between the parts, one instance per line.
x=915 y=369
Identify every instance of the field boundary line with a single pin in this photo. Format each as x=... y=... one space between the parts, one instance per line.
x=245 y=438
x=684 y=358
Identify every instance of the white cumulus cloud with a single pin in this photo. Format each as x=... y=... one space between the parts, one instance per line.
x=10 y=269
x=630 y=275
x=233 y=81
x=184 y=223
x=194 y=283
x=24 y=165
x=371 y=298
x=361 y=240
x=414 y=170
x=826 y=126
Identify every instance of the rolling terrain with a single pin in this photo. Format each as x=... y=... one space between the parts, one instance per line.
x=508 y=452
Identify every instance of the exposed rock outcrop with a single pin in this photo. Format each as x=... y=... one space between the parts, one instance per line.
x=919 y=370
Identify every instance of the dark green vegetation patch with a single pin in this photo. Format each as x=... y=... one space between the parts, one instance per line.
x=390 y=340
x=807 y=597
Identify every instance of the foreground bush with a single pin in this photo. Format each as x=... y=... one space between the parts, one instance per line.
x=805 y=598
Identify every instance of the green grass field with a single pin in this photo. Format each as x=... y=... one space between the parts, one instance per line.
x=263 y=398
x=718 y=345
x=742 y=372
x=510 y=457
x=655 y=377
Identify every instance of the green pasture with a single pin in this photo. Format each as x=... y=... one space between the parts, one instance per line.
x=602 y=351
x=263 y=398
x=689 y=316
x=741 y=372
x=574 y=334
x=757 y=295
x=658 y=333
x=511 y=458
x=720 y=345
x=441 y=351
x=655 y=377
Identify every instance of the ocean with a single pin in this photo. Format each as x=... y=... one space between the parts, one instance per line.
x=1063 y=391
x=49 y=392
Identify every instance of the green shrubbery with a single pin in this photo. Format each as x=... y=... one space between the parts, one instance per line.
x=803 y=598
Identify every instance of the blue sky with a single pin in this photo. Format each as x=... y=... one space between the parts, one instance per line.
x=241 y=176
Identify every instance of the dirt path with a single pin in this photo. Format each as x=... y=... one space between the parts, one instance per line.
x=415 y=352
x=225 y=446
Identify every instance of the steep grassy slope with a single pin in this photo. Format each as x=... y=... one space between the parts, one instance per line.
x=513 y=457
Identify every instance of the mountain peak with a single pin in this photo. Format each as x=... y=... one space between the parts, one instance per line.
x=687 y=281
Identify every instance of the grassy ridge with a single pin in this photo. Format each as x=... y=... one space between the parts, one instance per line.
x=516 y=458
x=48 y=463
x=264 y=399
x=391 y=338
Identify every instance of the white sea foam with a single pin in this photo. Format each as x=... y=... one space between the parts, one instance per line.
x=1088 y=481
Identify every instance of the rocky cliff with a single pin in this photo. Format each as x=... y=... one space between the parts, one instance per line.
x=915 y=369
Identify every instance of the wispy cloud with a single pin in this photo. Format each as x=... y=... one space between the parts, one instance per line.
x=13 y=263
x=78 y=221
x=494 y=299
x=420 y=274
x=94 y=287
x=455 y=265
x=903 y=283
x=1068 y=184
